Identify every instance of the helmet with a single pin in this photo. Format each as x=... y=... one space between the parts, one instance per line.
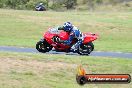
x=40 y=3
x=67 y=26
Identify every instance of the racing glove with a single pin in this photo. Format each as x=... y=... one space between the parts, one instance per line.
x=61 y=28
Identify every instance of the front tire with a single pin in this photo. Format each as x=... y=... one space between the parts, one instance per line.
x=86 y=49
x=43 y=46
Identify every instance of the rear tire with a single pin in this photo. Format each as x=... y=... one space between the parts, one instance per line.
x=86 y=49
x=43 y=46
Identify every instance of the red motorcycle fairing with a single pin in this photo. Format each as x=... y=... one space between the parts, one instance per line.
x=88 y=37
x=59 y=46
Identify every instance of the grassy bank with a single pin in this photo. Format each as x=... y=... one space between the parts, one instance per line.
x=25 y=28
x=53 y=71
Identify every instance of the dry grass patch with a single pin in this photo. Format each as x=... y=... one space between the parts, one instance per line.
x=35 y=66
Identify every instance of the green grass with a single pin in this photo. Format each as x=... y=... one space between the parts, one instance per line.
x=27 y=70
x=25 y=28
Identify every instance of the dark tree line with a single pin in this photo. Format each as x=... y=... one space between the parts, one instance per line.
x=53 y=4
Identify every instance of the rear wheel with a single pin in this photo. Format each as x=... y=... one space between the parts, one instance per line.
x=43 y=46
x=86 y=49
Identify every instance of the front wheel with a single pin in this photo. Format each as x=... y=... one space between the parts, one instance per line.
x=43 y=46
x=85 y=49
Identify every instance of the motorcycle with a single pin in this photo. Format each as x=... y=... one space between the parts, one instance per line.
x=50 y=38
x=40 y=8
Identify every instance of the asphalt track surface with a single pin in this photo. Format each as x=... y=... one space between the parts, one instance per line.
x=94 y=53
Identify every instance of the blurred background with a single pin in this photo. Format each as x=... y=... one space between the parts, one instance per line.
x=62 y=5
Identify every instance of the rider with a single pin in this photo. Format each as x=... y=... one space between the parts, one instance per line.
x=74 y=32
x=40 y=7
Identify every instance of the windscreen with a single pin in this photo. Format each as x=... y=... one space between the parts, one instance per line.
x=54 y=30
